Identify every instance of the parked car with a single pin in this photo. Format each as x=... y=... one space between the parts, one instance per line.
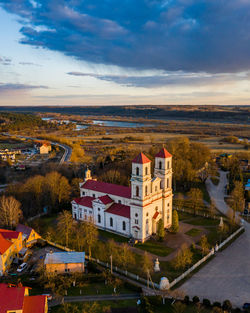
x=22 y=267
x=246 y=306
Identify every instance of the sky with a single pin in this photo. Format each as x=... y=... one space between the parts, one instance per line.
x=109 y=52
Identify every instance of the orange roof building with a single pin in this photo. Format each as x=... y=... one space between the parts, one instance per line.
x=16 y=299
x=10 y=245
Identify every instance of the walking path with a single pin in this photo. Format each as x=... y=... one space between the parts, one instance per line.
x=227 y=276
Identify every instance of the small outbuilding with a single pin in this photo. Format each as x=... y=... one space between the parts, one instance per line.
x=64 y=262
x=29 y=235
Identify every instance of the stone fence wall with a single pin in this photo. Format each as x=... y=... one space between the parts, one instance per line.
x=150 y=283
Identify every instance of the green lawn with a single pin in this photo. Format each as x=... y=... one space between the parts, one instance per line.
x=193 y=232
x=100 y=306
x=200 y=221
x=108 y=235
x=184 y=216
x=154 y=247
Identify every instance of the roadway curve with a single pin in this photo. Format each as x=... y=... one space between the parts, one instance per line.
x=227 y=276
x=67 y=150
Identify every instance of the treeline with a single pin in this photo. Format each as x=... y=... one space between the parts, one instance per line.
x=52 y=191
x=114 y=163
x=20 y=121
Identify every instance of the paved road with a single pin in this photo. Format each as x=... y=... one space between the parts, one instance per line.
x=227 y=276
x=67 y=150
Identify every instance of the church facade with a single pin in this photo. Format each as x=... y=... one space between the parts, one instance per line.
x=130 y=211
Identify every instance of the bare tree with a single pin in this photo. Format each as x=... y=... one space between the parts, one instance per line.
x=90 y=235
x=65 y=225
x=10 y=211
x=195 y=197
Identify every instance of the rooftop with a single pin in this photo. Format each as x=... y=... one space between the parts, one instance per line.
x=33 y=304
x=11 y=298
x=141 y=159
x=119 y=209
x=106 y=199
x=26 y=230
x=85 y=201
x=64 y=257
x=163 y=154
x=106 y=188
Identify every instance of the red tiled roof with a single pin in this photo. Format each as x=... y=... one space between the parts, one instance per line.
x=33 y=304
x=4 y=244
x=85 y=201
x=24 y=229
x=106 y=199
x=11 y=298
x=9 y=234
x=106 y=188
x=119 y=209
x=155 y=215
x=163 y=154
x=141 y=159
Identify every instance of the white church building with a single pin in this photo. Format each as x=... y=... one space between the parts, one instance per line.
x=130 y=211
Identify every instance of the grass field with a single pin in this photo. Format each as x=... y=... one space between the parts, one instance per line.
x=155 y=247
x=193 y=232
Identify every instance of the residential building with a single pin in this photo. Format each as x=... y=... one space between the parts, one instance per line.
x=29 y=235
x=130 y=211
x=16 y=299
x=64 y=262
x=10 y=245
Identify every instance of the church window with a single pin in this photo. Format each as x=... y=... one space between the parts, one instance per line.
x=85 y=211
x=146 y=171
x=136 y=215
x=83 y=193
x=98 y=209
x=168 y=164
x=111 y=222
x=146 y=190
x=123 y=225
x=168 y=183
x=99 y=218
x=156 y=208
x=160 y=165
x=136 y=221
x=137 y=171
x=93 y=195
x=119 y=201
x=147 y=214
x=155 y=188
x=137 y=191
x=147 y=221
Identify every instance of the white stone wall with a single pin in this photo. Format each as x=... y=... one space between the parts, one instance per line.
x=118 y=224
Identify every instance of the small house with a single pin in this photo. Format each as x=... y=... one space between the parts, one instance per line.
x=64 y=262
x=29 y=235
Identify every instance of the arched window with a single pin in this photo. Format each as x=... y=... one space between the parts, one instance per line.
x=160 y=165
x=99 y=218
x=168 y=183
x=146 y=171
x=168 y=164
x=146 y=190
x=137 y=191
x=137 y=171
x=111 y=222
x=155 y=188
x=156 y=208
x=123 y=225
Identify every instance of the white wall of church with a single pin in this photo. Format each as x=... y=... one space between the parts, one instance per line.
x=117 y=223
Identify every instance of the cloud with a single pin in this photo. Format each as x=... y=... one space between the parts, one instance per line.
x=29 y=63
x=18 y=87
x=188 y=35
x=5 y=61
x=168 y=78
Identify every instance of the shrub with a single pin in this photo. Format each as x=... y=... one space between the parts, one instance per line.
x=186 y=300
x=217 y=304
x=206 y=302
x=227 y=306
x=155 y=300
x=196 y=299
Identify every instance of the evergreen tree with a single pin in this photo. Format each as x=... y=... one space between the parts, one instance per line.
x=160 y=230
x=175 y=222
